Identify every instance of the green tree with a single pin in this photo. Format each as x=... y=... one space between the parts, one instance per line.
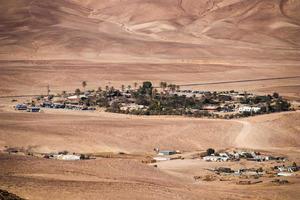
x=163 y=85
x=172 y=87
x=275 y=95
x=210 y=151
x=146 y=88
x=77 y=91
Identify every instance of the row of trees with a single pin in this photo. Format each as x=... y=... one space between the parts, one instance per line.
x=163 y=85
x=170 y=87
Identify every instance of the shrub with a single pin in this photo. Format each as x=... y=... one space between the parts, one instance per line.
x=210 y=151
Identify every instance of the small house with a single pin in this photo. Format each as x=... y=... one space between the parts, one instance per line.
x=157 y=159
x=285 y=174
x=67 y=157
x=166 y=152
x=76 y=98
x=33 y=109
x=249 y=109
x=210 y=107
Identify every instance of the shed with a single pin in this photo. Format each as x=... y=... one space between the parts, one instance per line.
x=166 y=152
x=33 y=109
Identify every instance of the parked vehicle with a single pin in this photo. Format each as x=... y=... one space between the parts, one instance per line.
x=21 y=107
x=33 y=109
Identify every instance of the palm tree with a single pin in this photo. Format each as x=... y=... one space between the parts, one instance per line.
x=84 y=83
x=135 y=84
x=172 y=87
x=63 y=93
x=123 y=88
x=106 y=88
x=154 y=92
x=129 y=87
x=163 y=85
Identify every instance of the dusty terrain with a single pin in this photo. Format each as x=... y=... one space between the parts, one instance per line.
x=109 y=42
x=62 y=43
x=115 y=178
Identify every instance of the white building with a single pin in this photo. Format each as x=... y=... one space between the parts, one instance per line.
x=131 y=107
x=285 y=174
x=249 y=109
x=161 y=158
x=76 y=97
x=67 y=157
x=216 y=158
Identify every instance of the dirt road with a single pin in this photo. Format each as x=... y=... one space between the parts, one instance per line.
x=241 y=139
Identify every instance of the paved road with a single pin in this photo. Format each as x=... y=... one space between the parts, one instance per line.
x=241 y=81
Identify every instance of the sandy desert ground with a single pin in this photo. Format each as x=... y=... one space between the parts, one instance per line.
x=109 y=42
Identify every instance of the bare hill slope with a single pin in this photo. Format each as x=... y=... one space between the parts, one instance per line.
x=158 y=30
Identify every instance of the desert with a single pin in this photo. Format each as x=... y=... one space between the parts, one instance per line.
x=51 y=47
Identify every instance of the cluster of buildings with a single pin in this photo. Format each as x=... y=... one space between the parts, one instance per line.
x=236 y=156
x=150 y=101
x=131 y=107
x=65 y=155
x=70 y=103
x=68 y=106
x=240 y=172
x=287 y=170
x=258 y=172
x=224 y=101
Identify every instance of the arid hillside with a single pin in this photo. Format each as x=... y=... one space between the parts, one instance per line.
x=110 y=42
x=207 y=45
x=149 y=31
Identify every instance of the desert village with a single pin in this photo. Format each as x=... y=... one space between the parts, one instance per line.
x=167 y=99
x=236 y=166
x=150 y=99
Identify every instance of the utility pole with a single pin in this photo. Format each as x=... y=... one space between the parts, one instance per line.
x=48 y=89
